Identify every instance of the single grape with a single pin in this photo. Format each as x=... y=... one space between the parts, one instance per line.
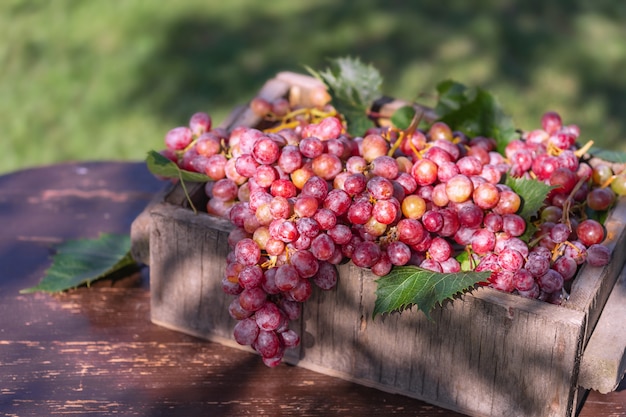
x=598 y=255
x=326 y=277
x=399 y=253
x=246 y=331
x=590 y=232
x=600 y=199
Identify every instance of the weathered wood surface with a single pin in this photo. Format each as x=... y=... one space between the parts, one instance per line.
x=604 y=360
x=497 y=346
x=94 y=351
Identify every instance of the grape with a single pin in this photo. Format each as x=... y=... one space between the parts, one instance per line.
x=366 y=254
x=290 y=159
x=302 y=291
x=440 y=249
x=483 y=241
x=267 y=343
x=286 y=277
x=598 y=255
x=289 y=338
x=178 y=138
x=316 y=187
x=247 y=252
x=513 y=224
x=355 y=184
x=406 y=181
x=486 y=196
x=326 y=277
x=246 y=331
x=590 y=232
x=380 y=188
x=268 y=317
x=459 y=188
x=250 y=276
x=551 y=122
x=340 y=234
x=410 y=231
x=600 y=199
x=325 y=218
x=440 y=130
x=208 y=145
x=438 y=155
x=252 y=299
x=493 y=222
x=510 y=259
x=305 y=263
x=560 y=232
x=450 y=266
x=618 y=185
x=551 y=281
x=439 y=195
x=326 y=166
x=508 y=203
x=425 y=172
x=469 y=165
x=523 y=280
x=385 y=211
x=564 y=180
x=384 y=166
x=413 y=206
x=565 y=266
x=374 y=146
x=399 y=253
x=502 y=280
x=431 y=265
x=338 y=201
x=322 y=247
x=537 y=264
x=432 y=221
x=471 y=216
x=360 y=212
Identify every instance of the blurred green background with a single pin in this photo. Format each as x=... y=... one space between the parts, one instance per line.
x=84 y=80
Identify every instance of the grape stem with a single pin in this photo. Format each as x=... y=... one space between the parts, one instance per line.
x=182 y=183
x=404 y=134
x=568 y=203
x=580 y=152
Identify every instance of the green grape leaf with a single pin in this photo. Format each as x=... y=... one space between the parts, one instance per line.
x=474 y=112
x=353 y=86
x=163 y=167
x=402 y=117
x=532 y=192
x=608 y=155
x=406 y=286
x=82 y=261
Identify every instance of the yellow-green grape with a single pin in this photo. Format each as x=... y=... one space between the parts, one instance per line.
x=618 y=185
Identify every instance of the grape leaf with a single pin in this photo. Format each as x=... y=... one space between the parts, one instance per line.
x=402 y=117
x=163 y=167
x=405 y=286
x=82 y=261
x=532 y=192
x=474 y=112
x=353 y=87
x=608 y=155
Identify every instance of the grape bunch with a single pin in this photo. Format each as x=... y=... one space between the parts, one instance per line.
x=304 y=196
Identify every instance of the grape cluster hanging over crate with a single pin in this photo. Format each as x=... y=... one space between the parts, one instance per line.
x=306 y=194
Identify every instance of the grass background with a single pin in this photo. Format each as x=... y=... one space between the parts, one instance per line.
x=92 y=80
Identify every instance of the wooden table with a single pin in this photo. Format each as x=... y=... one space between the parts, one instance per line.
x=94 y=351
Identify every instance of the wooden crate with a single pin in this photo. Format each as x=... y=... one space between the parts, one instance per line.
x=485 y=354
